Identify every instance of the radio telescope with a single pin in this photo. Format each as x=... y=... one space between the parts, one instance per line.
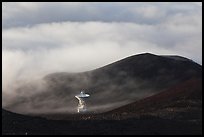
x=82 y=104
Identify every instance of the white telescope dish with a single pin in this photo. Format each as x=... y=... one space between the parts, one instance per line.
x=82 y=105
x=82 y=95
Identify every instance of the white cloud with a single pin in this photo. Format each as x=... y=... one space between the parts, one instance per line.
x=78 y=46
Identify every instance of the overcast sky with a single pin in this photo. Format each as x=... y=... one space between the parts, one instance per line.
x=41 y=38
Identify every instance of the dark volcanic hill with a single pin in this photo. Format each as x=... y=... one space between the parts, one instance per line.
x=142 y=94
x=111 y=86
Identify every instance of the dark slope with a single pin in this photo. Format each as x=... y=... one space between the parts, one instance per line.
x=111 y=86
x=183 y=102
x=14 y=124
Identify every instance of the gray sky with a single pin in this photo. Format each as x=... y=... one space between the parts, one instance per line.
x=42 y=38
